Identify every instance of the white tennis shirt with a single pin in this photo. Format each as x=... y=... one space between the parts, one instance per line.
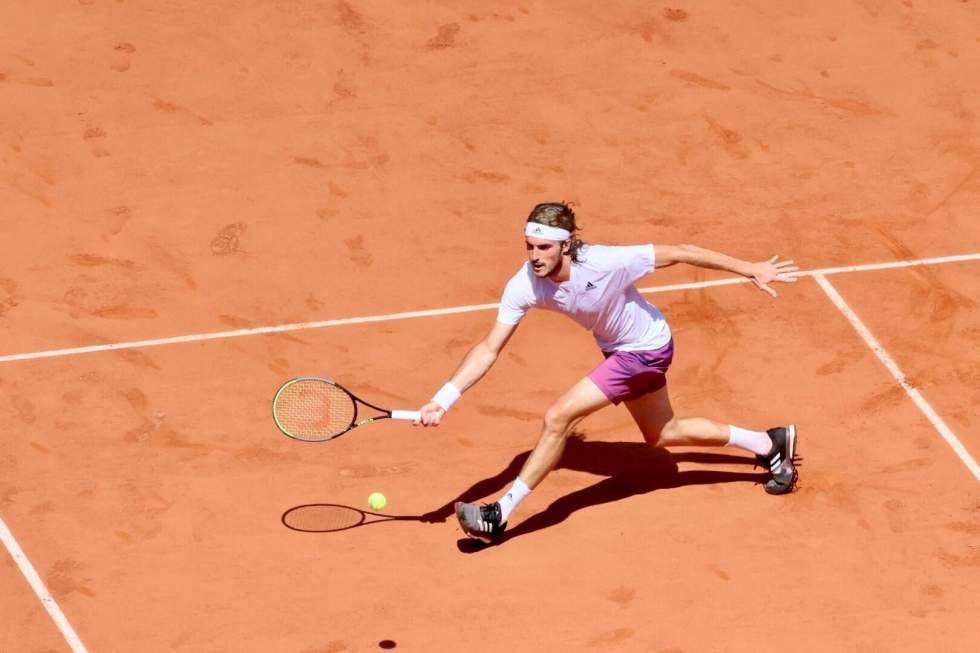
x=599 y=295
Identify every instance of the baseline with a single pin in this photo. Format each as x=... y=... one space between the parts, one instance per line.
x=300 y=326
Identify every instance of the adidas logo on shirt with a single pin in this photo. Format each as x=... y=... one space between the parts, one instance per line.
x=590 y=286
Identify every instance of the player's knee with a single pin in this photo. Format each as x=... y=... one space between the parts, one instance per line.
x=556 y=420
x=664 y=434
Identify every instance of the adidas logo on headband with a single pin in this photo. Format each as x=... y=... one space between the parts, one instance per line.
x=544 y=231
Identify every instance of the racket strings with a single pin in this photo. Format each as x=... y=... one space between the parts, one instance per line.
x=314 y=410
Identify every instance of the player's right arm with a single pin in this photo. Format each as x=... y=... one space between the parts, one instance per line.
x=476 y=363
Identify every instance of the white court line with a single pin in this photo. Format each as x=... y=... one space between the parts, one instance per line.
x=867 y=267
x=217 y=335
x=891 y=265
x=300 y=326
x=889 y=363
x=42 y=592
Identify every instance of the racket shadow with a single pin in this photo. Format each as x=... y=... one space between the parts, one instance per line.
x=334 y=517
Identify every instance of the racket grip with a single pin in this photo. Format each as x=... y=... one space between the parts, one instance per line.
x=410 y=415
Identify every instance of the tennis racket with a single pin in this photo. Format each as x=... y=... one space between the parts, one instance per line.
x=314 y=409
x=332 y=517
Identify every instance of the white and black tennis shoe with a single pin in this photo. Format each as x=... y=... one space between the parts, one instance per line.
x=779 y=460
x=480 y=522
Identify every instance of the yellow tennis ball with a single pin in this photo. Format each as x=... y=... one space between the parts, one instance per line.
x=377 y=501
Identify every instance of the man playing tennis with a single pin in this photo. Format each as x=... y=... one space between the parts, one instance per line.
x=593 y=284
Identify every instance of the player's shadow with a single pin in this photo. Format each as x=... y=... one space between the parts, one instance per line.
x=629 y=468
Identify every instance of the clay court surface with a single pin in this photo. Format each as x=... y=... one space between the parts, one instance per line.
x=180 y=168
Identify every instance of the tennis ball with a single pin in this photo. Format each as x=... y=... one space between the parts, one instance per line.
x=377 y=501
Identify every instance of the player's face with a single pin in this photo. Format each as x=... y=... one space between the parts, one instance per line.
x=544 y=256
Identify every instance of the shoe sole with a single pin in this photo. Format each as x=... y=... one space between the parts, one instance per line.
x=791 y=441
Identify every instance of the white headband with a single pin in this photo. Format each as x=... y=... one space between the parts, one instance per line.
x=538 y=230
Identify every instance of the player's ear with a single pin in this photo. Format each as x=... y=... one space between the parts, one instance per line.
x=566 y=247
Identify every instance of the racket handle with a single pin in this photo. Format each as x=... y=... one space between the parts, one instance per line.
x=410 y=415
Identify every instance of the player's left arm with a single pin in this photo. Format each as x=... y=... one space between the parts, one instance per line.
x=762 y=273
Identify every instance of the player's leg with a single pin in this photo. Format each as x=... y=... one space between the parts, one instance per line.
x=583 y=399
x=639 y=379
x=654 y=415
x=486 y=522
x=774 y=449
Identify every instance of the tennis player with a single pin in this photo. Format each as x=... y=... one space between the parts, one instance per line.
x=593 y=284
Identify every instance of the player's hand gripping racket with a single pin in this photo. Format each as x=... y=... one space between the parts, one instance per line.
x=315 y=409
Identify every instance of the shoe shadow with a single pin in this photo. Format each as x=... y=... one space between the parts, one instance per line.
x=630 y=468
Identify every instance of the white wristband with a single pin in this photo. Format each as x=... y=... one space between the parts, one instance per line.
x=447 y=396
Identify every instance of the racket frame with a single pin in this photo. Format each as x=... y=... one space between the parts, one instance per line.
x=385 y=414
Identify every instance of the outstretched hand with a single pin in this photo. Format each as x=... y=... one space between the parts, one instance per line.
x=765 y=272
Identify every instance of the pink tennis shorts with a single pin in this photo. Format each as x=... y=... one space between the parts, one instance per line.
x=626 y=375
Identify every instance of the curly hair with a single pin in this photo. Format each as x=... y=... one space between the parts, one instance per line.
x=561 y=215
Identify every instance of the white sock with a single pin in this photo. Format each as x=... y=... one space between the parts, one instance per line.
x=755 y=441
x=517 y=493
